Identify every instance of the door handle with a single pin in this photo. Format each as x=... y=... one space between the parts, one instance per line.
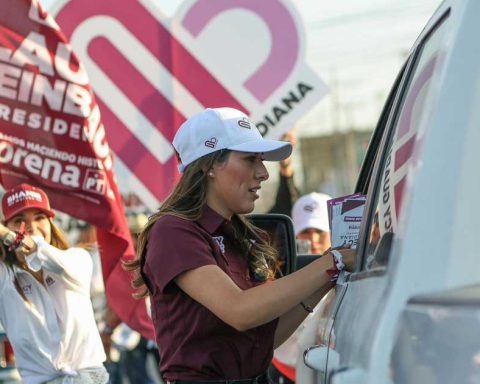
x=321 y=358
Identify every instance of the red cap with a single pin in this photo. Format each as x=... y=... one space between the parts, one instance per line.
x=22 y=197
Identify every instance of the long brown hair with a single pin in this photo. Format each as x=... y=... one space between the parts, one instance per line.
x=187 y=202
x=58 y=240
x=58 y=237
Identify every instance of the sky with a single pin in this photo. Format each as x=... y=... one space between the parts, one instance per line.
x=357 y=48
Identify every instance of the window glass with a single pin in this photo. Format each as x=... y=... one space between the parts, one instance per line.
x=404 y=146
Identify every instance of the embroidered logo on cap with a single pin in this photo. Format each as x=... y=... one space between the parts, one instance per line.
x=22 y=196
x=310 y=207
x=244 y=123
x=211 y=143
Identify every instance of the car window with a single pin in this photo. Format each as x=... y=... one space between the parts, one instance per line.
x=403 y=145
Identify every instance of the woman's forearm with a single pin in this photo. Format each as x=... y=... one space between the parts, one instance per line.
x=284 y=295
x=250 y=308
x=3 y=231
x=291 y=320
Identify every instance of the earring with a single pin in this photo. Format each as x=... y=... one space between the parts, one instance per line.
x=210 y=174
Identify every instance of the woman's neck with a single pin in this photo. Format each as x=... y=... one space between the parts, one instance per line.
x=222 y=212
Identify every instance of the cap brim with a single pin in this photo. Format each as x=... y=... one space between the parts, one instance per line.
x=272 y=150
x=315 y=224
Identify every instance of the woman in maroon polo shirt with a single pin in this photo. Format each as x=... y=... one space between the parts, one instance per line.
x=217 y=310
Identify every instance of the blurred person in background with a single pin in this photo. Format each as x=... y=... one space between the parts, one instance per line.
x=84 y=235
x=287 y=192
x=312 y=231
x=45 y=295
x=310 y=220
x=134 y=349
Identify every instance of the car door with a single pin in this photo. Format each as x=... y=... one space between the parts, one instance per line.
x=397 y=141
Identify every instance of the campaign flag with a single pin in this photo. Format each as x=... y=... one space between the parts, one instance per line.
x=52 y=136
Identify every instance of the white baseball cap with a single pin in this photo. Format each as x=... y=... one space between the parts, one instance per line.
x=224 y=128
x=310 y=211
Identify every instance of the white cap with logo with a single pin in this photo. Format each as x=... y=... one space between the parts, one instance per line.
x=224 y=128
x=310 y=211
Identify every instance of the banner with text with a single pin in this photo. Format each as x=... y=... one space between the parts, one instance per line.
x=52 y=136
x=151 y=72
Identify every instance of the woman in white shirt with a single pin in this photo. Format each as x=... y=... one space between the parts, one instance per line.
x=45 y=305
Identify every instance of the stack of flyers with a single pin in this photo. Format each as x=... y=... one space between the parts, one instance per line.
x=345 y=216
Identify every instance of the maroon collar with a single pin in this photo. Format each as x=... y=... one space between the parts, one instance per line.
x=210 y=220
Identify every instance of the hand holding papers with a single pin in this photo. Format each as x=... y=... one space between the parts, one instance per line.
x=345 y=216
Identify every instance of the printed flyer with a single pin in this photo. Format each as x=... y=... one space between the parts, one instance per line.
x=345 y=216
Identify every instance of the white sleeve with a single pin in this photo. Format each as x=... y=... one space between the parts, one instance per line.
x=74 y=264
x=3 y=275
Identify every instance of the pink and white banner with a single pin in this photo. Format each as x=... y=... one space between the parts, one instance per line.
x=151 y=72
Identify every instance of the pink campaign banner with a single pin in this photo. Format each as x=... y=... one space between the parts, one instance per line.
x=52 y=135
x=150 y=72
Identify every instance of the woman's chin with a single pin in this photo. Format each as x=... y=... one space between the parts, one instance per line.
x=246 y=209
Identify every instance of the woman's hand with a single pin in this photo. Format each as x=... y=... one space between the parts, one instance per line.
x=286 y=168
x=348 y=256
x=21 y=244
x=27 y=246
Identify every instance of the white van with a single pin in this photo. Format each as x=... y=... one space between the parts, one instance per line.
x=410 y=313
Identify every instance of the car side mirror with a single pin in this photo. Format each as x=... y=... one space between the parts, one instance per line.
x=280 y=229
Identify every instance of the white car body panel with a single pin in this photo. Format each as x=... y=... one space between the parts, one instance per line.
x=435 y=246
